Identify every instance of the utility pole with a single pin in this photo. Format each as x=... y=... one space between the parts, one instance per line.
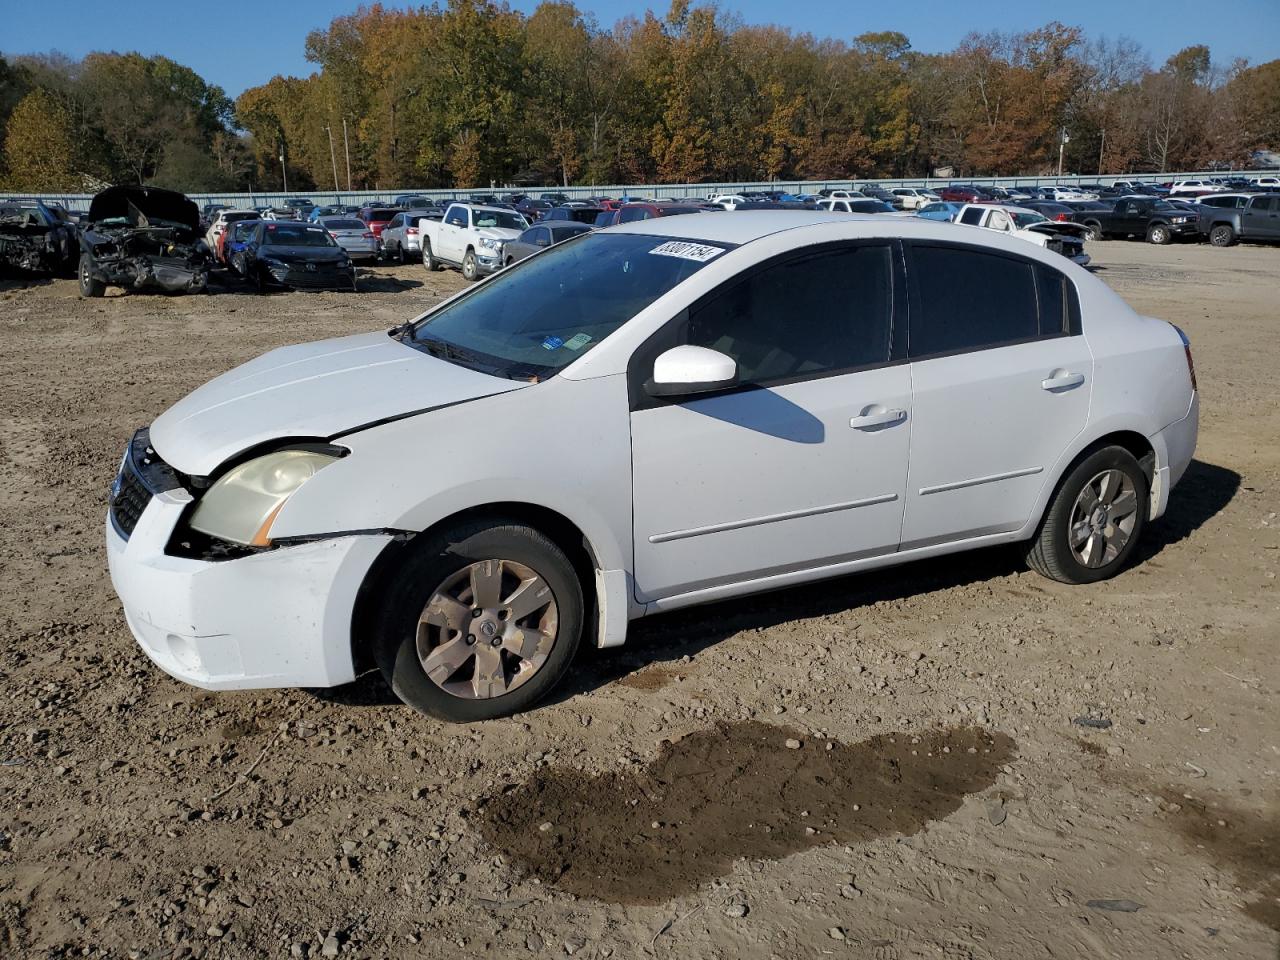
x=334 y=158
x=1063 y=140
x=284 y=171
x=347 y=150
x=1102 y=150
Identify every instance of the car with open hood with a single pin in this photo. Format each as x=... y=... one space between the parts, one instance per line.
x=143 y=238
x=670 y=412
x=1056 y=235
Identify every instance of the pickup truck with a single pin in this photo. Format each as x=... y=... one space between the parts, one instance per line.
x=470 y=238
x=1064 y=238
x=1149 y=217
x=1257 y=219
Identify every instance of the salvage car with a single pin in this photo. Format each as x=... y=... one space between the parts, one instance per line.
x=143 y=238
x=297 y=255
x=667 y=413
x=1058 y=236
x=37 y=237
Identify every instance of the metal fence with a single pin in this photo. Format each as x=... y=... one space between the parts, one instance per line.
x=653 y=191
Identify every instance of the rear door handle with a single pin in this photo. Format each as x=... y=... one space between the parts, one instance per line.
x=1062 y=380
x=877 y=416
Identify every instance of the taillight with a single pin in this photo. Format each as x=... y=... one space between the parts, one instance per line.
x=368 y=235
x=1063 y=217
x=1186 y=348
x=411 y=231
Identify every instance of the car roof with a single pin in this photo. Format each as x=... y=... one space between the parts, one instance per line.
x=743 y=226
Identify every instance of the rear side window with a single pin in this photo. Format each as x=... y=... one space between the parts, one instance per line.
x=966 y=299
x=972 y=216
x=810 y=316
x=631 y=214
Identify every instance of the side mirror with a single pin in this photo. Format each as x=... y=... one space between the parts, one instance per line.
x=686 y=370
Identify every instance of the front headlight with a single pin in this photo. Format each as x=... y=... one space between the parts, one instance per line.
x=243 y=503
x=489 y=243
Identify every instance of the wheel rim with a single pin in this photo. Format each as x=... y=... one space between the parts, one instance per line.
x=1157 y=235
x=487 y=629
x=1103 y=518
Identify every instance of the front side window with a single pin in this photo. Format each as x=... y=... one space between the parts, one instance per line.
x=457 y=217
x=816 y=314
x=546 y=311
x=967 y=299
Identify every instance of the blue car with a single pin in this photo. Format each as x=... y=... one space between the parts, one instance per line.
x=943 y=210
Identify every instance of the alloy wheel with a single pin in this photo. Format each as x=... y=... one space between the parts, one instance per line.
x=487 y=629
x=1103 y=518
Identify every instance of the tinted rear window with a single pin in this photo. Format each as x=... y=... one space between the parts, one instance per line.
x=345 y=224
x=382 y=214
x=968 y=300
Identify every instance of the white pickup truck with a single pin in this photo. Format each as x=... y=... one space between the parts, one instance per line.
x=470 y=238
x=1064 y=238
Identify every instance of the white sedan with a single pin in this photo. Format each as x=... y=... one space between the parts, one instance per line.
x=665 y=413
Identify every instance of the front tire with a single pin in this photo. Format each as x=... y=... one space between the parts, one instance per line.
x=1094 y=521
x=1093 y=231
x=470 y=266
x=481 y=621
x=1159 y=234
x=1222 y=236
x=90 y=286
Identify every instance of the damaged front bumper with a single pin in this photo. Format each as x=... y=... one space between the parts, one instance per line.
x=279 y=618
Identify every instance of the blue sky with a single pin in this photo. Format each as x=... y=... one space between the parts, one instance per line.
x=241 y=43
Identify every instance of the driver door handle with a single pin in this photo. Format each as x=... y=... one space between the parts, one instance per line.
x=877 y=417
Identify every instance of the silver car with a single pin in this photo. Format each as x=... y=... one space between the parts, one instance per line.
x=353 y=235
x=401 y=237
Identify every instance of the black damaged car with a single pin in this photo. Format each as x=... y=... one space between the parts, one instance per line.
x=36 y=237
x=143 y=238
x=303 y=256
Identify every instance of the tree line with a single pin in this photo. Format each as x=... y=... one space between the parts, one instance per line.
x=472 y=93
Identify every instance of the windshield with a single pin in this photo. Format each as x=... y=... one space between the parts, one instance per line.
x=532 y=319
x=296 y=235
x=500 y=220
x=1027 y=219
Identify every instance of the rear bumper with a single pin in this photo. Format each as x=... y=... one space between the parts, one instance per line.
x=281 y=618
x=1175 y=447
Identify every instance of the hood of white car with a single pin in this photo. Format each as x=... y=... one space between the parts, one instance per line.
x=1057 y=228
x=310 y=391
x=498 y=233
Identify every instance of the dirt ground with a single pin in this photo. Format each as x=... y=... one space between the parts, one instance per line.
x=886 y=766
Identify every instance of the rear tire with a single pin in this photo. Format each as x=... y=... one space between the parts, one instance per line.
x=1159 y=234
x=1094 y=521
x=1222 y=236
x=428 y=261
x=1094 y=231
x=400 y=254
x=429 y=607
x=90 y=286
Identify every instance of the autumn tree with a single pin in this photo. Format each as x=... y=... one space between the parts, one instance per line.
x=38 y=147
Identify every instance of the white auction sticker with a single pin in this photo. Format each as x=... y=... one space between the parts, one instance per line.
x=687 y=251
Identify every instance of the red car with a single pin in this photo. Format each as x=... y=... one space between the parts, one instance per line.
x=378 y=217
x=960 y=193
x=630 y=212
